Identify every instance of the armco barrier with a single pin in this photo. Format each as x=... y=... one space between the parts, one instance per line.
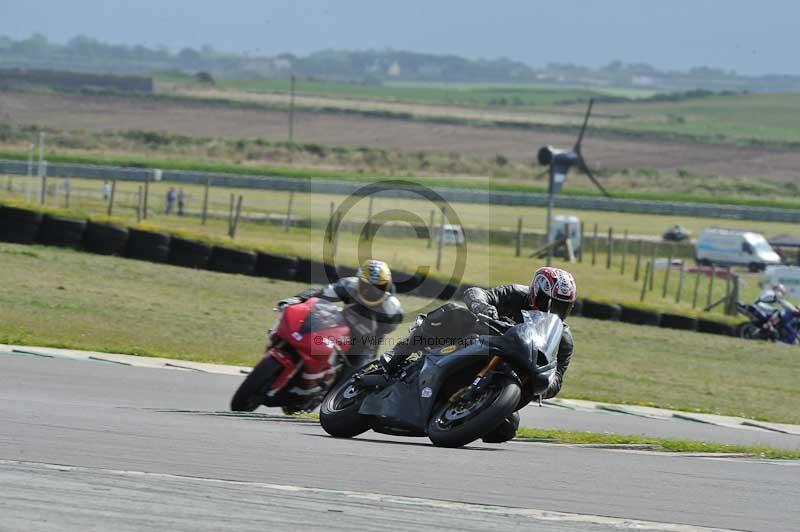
x=486 y=197
x=158 y=247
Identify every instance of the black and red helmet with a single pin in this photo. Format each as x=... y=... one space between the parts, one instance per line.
x=553 y=290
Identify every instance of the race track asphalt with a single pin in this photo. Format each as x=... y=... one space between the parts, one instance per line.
x=100 y=446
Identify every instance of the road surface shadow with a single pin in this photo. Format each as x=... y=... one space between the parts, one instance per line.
x=401 y=442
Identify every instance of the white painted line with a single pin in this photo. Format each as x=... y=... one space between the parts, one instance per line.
x=529 y=513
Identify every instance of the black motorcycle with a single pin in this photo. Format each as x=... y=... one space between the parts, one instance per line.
x=760 y=326
x=454 y=394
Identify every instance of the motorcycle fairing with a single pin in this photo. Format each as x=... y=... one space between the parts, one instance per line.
x=404 y=407
x=530 y=347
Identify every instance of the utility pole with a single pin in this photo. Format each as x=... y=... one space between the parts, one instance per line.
x=42 y=168
x=291 y=108
x=30 y=186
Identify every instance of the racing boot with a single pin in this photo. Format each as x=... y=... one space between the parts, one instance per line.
x=505 y=431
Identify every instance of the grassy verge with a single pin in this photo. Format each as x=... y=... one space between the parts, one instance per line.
x=61 y=298
x=656 y=444
x=486 y=263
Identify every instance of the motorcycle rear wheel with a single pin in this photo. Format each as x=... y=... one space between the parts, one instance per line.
x=455 y=423
x=251 y=392
x=338 y=413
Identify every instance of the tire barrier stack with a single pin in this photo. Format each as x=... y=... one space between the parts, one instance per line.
x=19 y=225
x=105 y=239
x=61 y=232
x=601 y=311
x=188 y=253
x=22 y=226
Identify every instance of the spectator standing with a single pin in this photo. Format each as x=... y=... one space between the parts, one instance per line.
x=180 y=202
x=106 y=190
x=171 y=195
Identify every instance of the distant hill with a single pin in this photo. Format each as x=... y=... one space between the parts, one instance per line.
x=83 y=54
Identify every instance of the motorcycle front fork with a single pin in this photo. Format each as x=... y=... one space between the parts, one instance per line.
x=480 y=381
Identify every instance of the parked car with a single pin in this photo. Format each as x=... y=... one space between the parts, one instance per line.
x=453 y=235
x=676 y=233
x=730 y=247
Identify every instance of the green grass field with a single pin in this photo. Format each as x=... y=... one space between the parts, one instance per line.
x=486 y=263
x=737 y=118
x=64 y=298
x=317 y=207
x=212 y=156
x=466 y=94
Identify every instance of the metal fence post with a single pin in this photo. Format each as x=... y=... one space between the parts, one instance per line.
x=441 y=241
x=711 y=284
x=680 y=283
x=111 y=197
x=624 y=252
x=205 y=202
x=638 y=260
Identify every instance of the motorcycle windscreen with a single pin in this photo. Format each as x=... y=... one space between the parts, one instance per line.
x=545 y=331
x=323 y=315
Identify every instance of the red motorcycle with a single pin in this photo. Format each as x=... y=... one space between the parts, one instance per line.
x=304 y=356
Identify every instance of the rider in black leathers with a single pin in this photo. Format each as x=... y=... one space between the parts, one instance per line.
x=552 y=290
x=506 y=303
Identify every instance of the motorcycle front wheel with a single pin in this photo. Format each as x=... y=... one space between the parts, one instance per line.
x=338 y=413
x=251 y=392
x=458 y=422
x=749 y=331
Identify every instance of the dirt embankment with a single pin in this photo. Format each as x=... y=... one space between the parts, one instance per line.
x=211 y=120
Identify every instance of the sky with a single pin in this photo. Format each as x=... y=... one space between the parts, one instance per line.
x=752 y=38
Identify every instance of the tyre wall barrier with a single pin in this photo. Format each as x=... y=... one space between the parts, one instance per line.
x=19 y=226
x=276 y=267
x=147 y=245
x=639 y=316
x=188 y=253
x=715 y=327
x=313 y=272
x=676 y=321
x=61 y=232
x=230 y=260
x=105 y=239
x=600 y=311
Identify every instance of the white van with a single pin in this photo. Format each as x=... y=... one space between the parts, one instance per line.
x=568 y=223
x=731 y=247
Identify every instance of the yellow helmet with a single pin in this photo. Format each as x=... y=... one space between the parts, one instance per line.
x=374 y=282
